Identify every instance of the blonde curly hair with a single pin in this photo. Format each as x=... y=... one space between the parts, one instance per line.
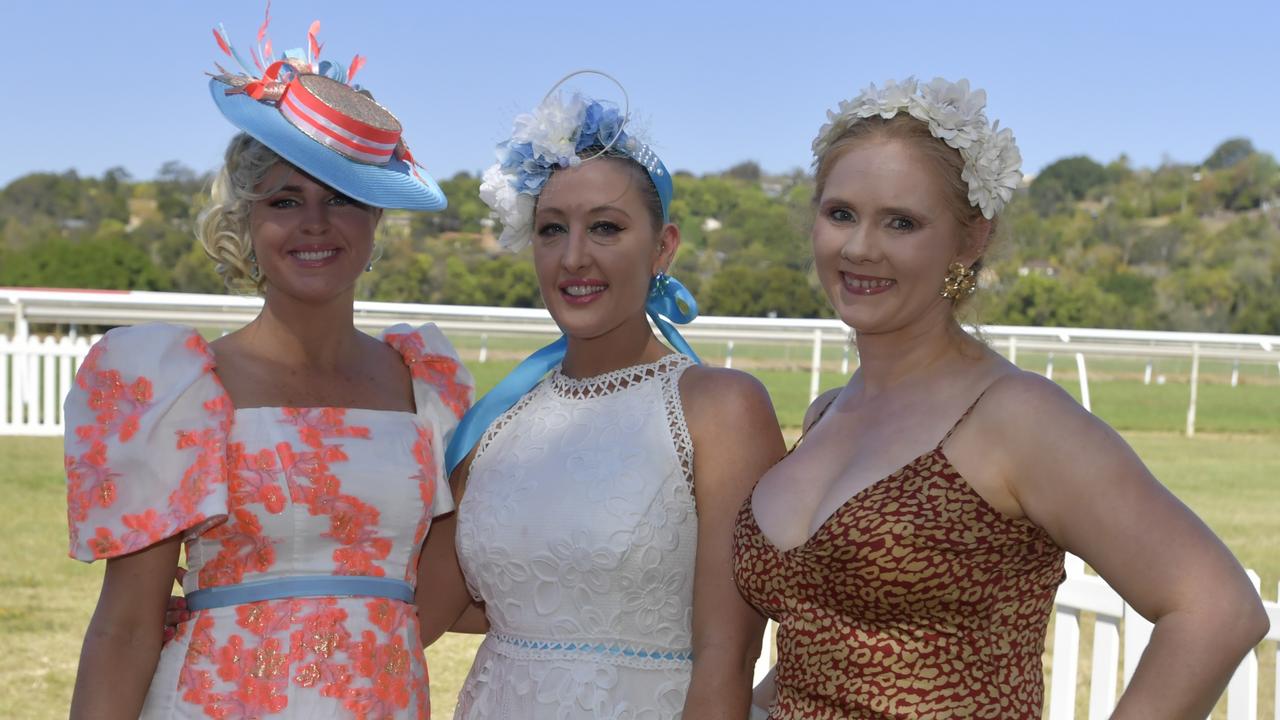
x=222 y=227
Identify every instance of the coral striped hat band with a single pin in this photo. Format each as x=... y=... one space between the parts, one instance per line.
x=303 y=104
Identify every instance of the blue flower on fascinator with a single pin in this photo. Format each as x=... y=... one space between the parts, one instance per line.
x=552 y=136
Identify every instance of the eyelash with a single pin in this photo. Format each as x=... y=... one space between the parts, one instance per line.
x=835 y=212
x=910 y=224
x=602 y=227
x=338 y=200
x=899 y=223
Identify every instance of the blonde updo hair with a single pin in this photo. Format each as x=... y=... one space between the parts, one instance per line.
x=223 y=225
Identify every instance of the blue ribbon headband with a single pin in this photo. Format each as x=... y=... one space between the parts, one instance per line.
x=664 y=306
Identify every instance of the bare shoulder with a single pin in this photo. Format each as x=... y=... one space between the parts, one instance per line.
x=227 y=344
x=735 y=434
x=1043 y=432
x=819 y=406
x=722 y=393
x=1020 y=401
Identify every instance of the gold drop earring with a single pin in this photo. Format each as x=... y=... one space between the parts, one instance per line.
x=960 y=282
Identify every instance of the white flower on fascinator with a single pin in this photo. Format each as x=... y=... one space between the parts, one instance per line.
x=894 y=97
x=871 y=101
x=991 y=170
x=956 y=116
x=513 y=208
x=552 y=129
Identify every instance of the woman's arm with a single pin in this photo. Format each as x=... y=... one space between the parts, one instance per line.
x=442 y=595
x=736 y=439
x=472 y=621
x=122 y=644
x=1075 y=477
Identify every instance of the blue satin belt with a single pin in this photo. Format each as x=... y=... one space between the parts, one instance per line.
x=301 y=586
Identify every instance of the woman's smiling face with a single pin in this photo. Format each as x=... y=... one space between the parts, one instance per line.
x=595 y=247
x=884 y=236
x=311 y=241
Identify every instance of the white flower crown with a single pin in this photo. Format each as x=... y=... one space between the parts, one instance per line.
x=956 y=117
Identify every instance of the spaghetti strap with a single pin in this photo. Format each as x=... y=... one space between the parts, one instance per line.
x=972 y=405
x=805 y=431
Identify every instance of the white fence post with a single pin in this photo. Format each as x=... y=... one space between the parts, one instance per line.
x=1242 y=691
x=1275 y=633
x=764 y=663
x=1048 y=368
x=1013 y=349
x=1066 y=652
x=815 y=377
x=728 y=354
x=17 y=380
x=1106 y=658
x=20 y=327
x=5 y=355
x=1084 y=382
x=49 y=396
x=1137 y=633
x=1195 y=382
x=65 y=377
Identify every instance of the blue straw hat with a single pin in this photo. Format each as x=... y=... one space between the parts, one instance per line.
x=310 y=114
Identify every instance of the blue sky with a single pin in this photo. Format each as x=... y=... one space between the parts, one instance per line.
x=91 y=85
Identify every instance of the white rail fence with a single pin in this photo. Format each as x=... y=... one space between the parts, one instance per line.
x=36 y=373
x=68 y=308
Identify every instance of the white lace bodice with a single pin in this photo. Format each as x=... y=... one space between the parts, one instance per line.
x=578 y=531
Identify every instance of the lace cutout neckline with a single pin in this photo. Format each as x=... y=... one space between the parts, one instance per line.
x=615 y=381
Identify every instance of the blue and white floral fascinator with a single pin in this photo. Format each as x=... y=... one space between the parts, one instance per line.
x=550 y=137
x=956 y=116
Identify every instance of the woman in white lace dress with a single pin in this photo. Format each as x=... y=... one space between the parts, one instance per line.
x=600 y=481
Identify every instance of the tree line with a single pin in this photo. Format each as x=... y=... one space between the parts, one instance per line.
x=1083 y=244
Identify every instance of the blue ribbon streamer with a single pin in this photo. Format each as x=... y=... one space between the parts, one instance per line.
x=666 y=295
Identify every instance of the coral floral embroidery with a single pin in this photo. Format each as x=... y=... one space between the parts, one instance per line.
x=118 y=403
x=426 y=477
x=439 y=371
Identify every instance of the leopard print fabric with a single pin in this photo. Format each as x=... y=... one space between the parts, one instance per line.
x=915 y=599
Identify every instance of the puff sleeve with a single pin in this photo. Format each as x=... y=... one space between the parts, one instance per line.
x=146 y=434
x=442 y=390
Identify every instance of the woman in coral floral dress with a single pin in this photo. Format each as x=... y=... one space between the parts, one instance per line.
x=298 y=459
